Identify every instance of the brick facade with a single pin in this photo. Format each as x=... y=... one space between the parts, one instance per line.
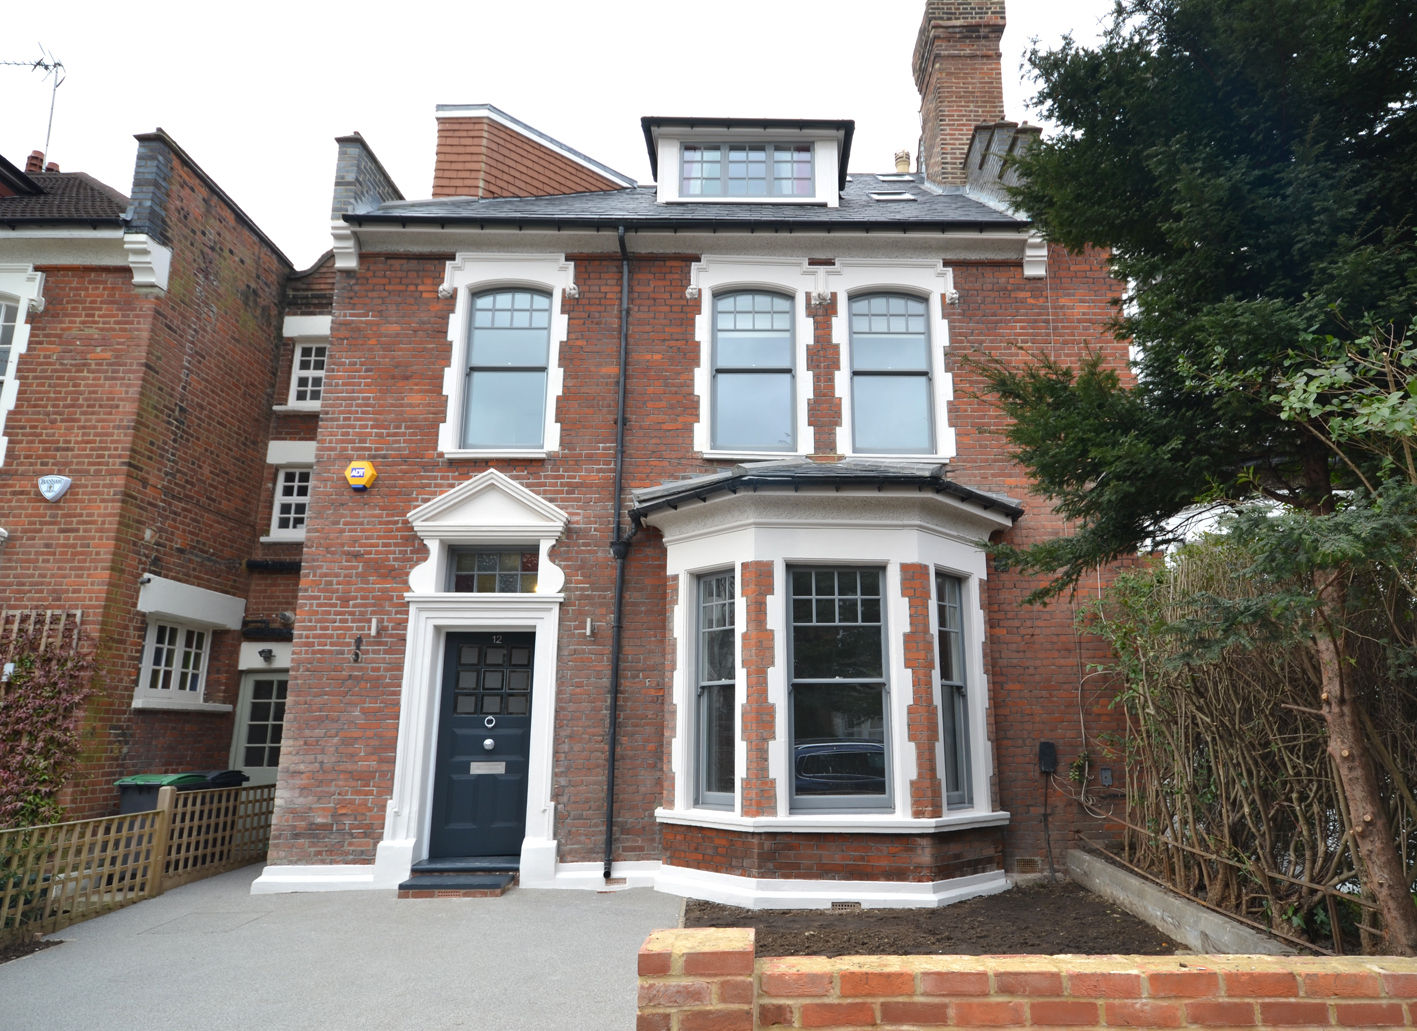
x=372 y=614
x=385 y=403
x=156 y=404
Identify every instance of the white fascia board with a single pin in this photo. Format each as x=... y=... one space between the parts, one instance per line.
x=302 y=327
x=1004 y=244
x=290 y=452
x=183 y=603
x=43 y=246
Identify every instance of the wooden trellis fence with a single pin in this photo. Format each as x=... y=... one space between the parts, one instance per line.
x=54 y=876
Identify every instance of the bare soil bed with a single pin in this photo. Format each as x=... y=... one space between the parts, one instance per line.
x=1042 y=919
x=23 y=947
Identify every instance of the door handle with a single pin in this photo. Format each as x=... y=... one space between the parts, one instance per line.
x=488 y=744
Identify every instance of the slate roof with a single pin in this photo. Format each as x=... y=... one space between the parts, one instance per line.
x=795 y=473
x=931 y=207
x=65 y=197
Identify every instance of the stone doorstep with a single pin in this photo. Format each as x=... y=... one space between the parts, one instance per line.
x=458 y=885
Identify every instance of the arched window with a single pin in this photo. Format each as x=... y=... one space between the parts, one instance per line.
x=891 y=400
x=508 y=350
x=754 y=397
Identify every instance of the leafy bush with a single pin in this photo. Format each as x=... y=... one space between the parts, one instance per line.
x=41 y=709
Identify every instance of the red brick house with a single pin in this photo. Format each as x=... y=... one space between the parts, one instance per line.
x=672 y=571
x=140 y=346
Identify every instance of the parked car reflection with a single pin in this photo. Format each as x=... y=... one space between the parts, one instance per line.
x=850 y=766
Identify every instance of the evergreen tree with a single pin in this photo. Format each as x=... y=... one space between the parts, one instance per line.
x=1251 y=168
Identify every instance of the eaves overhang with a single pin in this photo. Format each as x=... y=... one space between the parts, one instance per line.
x=31 y=221
x=684 y=225
x=793 y=476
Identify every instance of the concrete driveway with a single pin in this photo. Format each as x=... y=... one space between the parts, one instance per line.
x=212 y=956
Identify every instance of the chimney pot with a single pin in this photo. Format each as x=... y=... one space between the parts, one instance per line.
x=53 y=166
x=902 y=161
x=35 y=162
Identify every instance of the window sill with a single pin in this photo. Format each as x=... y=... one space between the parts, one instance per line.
x=921 y=457
x=465 y=453
x=832 y=823
x=273 y=539
x=753 y=456
x=177 y=705
x=297 y=409
x=698 y=198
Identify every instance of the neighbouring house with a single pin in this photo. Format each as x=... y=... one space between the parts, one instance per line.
x=659 y=560
x=140 y=348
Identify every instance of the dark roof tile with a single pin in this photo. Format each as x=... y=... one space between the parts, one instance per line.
x=931 y=206
x=67 y=197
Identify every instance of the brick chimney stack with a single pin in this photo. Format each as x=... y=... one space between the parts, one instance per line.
x=35 y=162
x=958 y=74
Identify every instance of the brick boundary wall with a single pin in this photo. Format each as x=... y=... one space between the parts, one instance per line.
x=708 y=979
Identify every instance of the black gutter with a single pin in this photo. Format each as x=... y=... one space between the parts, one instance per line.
x=619 y=548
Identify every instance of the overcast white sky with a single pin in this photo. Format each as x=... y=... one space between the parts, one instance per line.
x=256 y=92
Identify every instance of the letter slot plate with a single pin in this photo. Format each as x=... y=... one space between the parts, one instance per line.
x=486 y=767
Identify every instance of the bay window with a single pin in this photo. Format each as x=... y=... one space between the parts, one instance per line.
x=838 y=689
x=715 y=675
x=954 y=698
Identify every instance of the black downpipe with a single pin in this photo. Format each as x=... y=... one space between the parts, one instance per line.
x=619 y=548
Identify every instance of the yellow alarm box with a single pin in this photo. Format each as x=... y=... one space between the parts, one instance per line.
x=360 y=474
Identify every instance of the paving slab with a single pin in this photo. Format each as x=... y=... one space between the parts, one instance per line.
x=210 y=955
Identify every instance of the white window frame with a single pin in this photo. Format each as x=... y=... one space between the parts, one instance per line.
x=305 y=380
x=890 y=643
x=286 y=473
x=288 y=456
x=702 y=796
x=305 y=332
x=956 y=728
x=716 y=275
x=187 y=609
x=826 y=158
x=176 y=641
x=926 y=279
x=22 y=286
x=470 y=274
x=858 y=376
x=769 y=149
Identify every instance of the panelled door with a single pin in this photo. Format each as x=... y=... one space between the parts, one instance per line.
x=484 y=735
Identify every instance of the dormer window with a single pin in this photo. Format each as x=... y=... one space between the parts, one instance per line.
x=745 y=170
x=761 y=161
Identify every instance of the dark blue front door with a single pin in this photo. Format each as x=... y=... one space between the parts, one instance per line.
x=484 y=733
